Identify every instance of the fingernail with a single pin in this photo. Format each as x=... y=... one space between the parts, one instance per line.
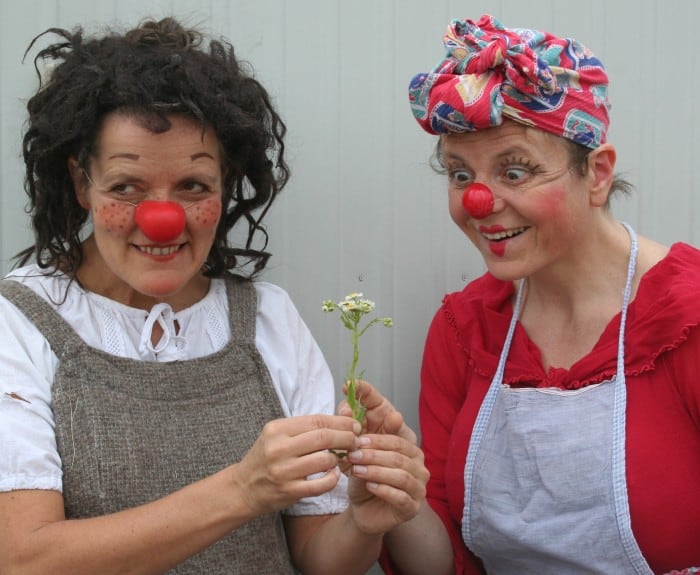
x=359 y=469
x=363 y=440
x=355 y=455
x=371 y=485
x=356 y=427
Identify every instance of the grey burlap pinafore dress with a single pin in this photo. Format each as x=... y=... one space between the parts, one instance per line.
x=129 y=432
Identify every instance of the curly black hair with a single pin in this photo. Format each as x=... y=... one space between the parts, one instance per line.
x=154 y=70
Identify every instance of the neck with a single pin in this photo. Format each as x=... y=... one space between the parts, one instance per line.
x=595 y=273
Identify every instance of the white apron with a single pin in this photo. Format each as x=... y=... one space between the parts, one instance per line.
x=545 y=483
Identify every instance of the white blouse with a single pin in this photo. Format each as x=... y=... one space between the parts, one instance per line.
x=28 y=455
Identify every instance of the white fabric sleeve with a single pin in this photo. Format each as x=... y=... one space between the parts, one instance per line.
x=302 y=376
x=28 y=455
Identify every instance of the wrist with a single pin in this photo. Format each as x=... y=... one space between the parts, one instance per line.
x=240 y=501
x=360 y=531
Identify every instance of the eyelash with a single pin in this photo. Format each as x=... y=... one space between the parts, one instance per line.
x=452 y=176
x=185 y=186
x=511 y=163
x=520 y=162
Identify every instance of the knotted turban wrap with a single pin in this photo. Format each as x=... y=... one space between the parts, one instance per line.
x=532 y=77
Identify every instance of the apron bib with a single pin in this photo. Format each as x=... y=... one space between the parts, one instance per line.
x=550 y=495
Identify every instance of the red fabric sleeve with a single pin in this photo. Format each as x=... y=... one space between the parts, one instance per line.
x=443 y=391
x=441 y=398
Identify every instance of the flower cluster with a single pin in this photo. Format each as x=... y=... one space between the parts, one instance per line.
x=352 y=309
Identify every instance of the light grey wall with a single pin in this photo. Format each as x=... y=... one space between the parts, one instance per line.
x=363 y=212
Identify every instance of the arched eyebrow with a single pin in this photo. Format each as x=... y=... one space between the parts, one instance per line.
x=194 y=157
x=125 y=155
x=135 y=157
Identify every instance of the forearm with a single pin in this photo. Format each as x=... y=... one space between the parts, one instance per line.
x=421 y=545
x=331 y=545
x=144 y=540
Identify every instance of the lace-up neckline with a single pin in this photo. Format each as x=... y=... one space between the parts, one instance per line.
x=171 y=345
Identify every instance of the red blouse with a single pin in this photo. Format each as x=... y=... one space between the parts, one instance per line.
x=662 y=367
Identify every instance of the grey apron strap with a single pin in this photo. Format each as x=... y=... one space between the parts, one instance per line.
x=61 y=337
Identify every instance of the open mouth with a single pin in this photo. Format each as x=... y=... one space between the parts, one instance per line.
x=159 y=250
x=504 y=234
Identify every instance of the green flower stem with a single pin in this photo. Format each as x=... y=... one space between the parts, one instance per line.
x=358 y=410
x=352 y=308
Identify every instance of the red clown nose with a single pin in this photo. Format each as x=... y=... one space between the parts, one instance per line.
x=160 y=221
x=477 y=200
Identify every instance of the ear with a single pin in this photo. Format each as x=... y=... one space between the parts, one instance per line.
x=80 y=183
x=601 y=167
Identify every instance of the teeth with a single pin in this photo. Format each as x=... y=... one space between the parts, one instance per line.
x=159 y=251
x=504 y=235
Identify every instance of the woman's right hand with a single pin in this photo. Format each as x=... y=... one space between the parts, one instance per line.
x=291 y=460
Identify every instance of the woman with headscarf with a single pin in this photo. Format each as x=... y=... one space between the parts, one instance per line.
x=560 y=403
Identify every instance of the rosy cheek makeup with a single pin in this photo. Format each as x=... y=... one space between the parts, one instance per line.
x=114 y=217
x=206 y=213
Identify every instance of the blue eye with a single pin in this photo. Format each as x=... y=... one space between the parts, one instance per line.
x=515 y=174
x=460 y=178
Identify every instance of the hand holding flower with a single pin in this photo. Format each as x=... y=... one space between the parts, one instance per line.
x=387 y=482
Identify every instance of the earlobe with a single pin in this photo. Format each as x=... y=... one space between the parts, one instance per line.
x=601 y=165
x=79 y=183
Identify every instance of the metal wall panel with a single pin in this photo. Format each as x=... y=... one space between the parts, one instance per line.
x=363 y=211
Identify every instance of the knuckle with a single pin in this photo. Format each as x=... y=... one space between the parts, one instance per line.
x=396 y=460
x=277 y=471
x=272 y=451
x=319 y=421
x=271 y=428
x=323 y=437
x=405 y=479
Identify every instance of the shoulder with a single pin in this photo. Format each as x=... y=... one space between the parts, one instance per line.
x=274 y=300
x=473 y=322
x=674 y=278
x=665 y=313
x=479 y=303
x=486 y=291
x=277 y=316
x=271 y=292
x=55 y=288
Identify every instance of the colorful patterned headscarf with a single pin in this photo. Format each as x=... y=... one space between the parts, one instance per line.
x=491 y=72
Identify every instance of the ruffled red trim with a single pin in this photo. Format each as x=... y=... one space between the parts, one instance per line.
x=659 y=319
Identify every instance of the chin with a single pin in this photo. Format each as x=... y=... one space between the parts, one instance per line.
x=505 y=272
x=162 y=284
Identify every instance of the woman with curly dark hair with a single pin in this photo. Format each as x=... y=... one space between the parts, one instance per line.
x=159 y=409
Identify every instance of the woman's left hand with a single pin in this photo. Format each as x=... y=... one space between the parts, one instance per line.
x=380 y=415
x=387 y=473
x=387 y=482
